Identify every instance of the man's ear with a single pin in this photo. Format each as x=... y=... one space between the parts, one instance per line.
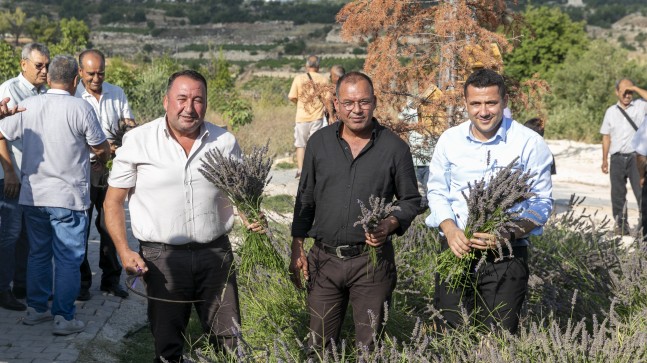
x=165 y=102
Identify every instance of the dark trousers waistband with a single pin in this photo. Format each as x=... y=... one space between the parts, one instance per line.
x=342 y=251
x=623 y=154
x=187 y=246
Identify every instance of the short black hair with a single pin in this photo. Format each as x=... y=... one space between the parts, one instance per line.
x=485 y=78
x=354 y=77
x=195 y=75
x=535 y=124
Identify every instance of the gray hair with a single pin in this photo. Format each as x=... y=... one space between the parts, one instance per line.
x=63 y=69
x=620 y=80
x=313 y=61
x=28 y=48
x=337 y=70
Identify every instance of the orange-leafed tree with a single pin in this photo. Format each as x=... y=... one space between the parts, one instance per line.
x=420 y=53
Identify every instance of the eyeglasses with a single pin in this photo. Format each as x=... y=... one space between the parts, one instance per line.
x=363 y=104
x=39 y=66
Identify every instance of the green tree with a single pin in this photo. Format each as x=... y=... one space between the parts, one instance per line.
x=13 y=22
x=74 y=37
x=43 y=30
x=146 y=94
x=9 y=65
x=547 y=37
x=583 y=88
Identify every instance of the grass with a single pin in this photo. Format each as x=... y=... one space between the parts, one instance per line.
x=275 y=123
x=284 y=165
x=282 y=203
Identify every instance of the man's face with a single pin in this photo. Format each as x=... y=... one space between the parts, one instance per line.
x=185 y=105
x=34 y=69
x=92 y=72
x=485 y=109
x=355 y=104
x=625 y=96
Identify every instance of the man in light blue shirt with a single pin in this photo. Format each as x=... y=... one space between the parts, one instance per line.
x=14 y=246
x=467 y=153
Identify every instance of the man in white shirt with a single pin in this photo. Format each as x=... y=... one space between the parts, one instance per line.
x=180 y=219
x=58 y=132
x=14 y=246
x=112 y=109
x=618 y=129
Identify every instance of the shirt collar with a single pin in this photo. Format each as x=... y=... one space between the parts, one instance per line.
x=30 y=86
x=501 y=133
x=85 y=93
x=56 y=91
x=377 y=128
x=629 y=105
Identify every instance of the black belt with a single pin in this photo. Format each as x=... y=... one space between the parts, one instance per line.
x=623 y=154
x=187 y=246
x=344 y=251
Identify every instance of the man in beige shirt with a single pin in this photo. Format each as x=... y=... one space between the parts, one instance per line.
x=310 y=107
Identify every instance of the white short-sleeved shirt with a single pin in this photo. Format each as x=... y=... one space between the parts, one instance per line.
x=111 y=107
x=56 y=129
x=619 y=129
x=17 y=89
x=170 y=201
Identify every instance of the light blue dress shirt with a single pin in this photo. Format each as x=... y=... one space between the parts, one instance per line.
x=460 y=158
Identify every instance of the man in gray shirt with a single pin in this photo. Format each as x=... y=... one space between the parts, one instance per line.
x=58 y=132
x=13 y=265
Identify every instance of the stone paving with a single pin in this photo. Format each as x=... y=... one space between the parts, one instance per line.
x=21 y=343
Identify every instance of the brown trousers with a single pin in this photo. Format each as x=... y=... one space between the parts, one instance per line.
x=334 y=282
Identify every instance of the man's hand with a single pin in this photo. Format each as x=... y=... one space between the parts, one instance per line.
x=11 y=184
x=605 y=167
x=298 y=264
x=458 y=243
x=133 y=262
x=378 y=236
x=259 y=226
x=483 y=241
x=6 y=111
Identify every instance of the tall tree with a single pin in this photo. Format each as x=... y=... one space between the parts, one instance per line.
x=422 y=51
x=14 y=23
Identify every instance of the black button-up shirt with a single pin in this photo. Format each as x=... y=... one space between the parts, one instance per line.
x=332 y=182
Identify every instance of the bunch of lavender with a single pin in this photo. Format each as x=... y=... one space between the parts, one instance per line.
x=243 y=180
x=488 y=206
x=370 y=218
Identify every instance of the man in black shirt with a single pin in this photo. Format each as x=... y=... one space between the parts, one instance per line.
x=350 y=161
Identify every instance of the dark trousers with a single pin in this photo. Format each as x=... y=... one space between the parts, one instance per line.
x=21 y=253
x=335 y=281
x=202 y=274
x=108 y=261
x=493 y=295
x=621 y=168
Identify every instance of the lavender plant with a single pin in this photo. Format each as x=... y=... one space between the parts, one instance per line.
x=243 y=181
x=489 y=211
x=371 y=218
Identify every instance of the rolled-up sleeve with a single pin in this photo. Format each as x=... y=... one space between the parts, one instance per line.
x=540 y=207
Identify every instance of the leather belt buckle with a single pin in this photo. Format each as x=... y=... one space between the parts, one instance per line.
x=338 y=251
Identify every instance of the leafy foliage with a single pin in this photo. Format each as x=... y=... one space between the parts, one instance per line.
x=547 y=37
x=583 y=88
x=9 y=66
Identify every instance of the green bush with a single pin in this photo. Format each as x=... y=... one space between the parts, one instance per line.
x=268 y=90
x=9 y=61
x=145 y=96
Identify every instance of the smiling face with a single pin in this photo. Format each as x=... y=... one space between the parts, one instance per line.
x=355 y=104
x=185 y=104
x=34 y=69
x=485 y=109
x=92 y=72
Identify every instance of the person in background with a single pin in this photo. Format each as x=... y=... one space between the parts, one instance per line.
x=310 y=115
x=14 y=245
x=111 y=106
x=619 y=126
x=58 y=132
